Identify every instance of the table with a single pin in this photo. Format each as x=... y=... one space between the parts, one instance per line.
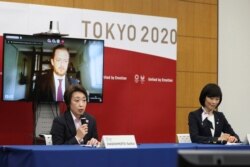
x=146 y=155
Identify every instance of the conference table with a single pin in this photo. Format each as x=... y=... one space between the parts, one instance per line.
x=146 y=155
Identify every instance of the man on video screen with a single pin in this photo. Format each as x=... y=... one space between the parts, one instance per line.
x=50 y=86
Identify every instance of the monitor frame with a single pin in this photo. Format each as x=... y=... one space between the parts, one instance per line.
x=26 y=56
x=213 y=158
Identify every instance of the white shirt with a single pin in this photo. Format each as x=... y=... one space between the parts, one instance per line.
x=76 y=121
x=210 y=117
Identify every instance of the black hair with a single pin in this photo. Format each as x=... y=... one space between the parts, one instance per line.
x=210 y=90
x=60 y=46
x=70 y=90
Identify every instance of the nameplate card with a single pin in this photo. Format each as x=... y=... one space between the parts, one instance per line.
x=47 y=138
x=118 y=141
x=248 y=138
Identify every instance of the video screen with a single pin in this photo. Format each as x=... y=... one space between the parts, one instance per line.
x=28 y=64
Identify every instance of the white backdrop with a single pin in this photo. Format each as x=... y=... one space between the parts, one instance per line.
x=234 y=63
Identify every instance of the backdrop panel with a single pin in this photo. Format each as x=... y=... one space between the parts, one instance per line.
x=139 y=69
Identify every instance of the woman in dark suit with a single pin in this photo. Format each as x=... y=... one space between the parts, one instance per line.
x=75 y=126
x=206 y=124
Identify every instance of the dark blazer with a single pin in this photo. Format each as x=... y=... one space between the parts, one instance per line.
x=200 y=131
x=63 y=129
x=45 y=90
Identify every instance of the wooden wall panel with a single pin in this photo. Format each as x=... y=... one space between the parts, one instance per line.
x=197 y=54
x=185 y=54
x=197 y=41
x=205 y=17
x=182 y=118
x=197 y=20
x=214 y=2
x=148 y=7
x=168 y=8
x=128 y=6
x=205 y=54
x=94 y=4
x=189 y=86
x=64 y=3
x=185 y=18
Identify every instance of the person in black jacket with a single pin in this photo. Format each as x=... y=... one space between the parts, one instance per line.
x=75 y=126
x=206 y=124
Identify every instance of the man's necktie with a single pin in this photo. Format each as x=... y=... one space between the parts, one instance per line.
x=59 y=91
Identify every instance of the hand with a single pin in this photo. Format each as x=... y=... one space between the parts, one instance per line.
x=93 y=142
x=232 y=139
x=224 y=136
x=82 y=131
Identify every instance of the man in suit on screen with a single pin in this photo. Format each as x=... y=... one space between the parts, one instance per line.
x=50 y=86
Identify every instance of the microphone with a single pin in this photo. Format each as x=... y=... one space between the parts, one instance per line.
x=84 y=120
x=50 y=25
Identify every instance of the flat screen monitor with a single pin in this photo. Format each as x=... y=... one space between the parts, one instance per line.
x=26 y=58
x=213 y=158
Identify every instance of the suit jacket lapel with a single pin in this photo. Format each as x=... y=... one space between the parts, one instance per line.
x=206 y=128
x=70 y=123
x=217 y=124
x=52 y=85
x=200 y=116
x=66 y=81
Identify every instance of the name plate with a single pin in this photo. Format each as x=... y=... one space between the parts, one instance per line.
x=248 y=138
x=47 y=138
x=118 y=141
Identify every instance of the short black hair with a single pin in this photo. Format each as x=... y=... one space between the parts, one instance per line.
x=210 y=90
x=70 y=90
x=60 y=46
